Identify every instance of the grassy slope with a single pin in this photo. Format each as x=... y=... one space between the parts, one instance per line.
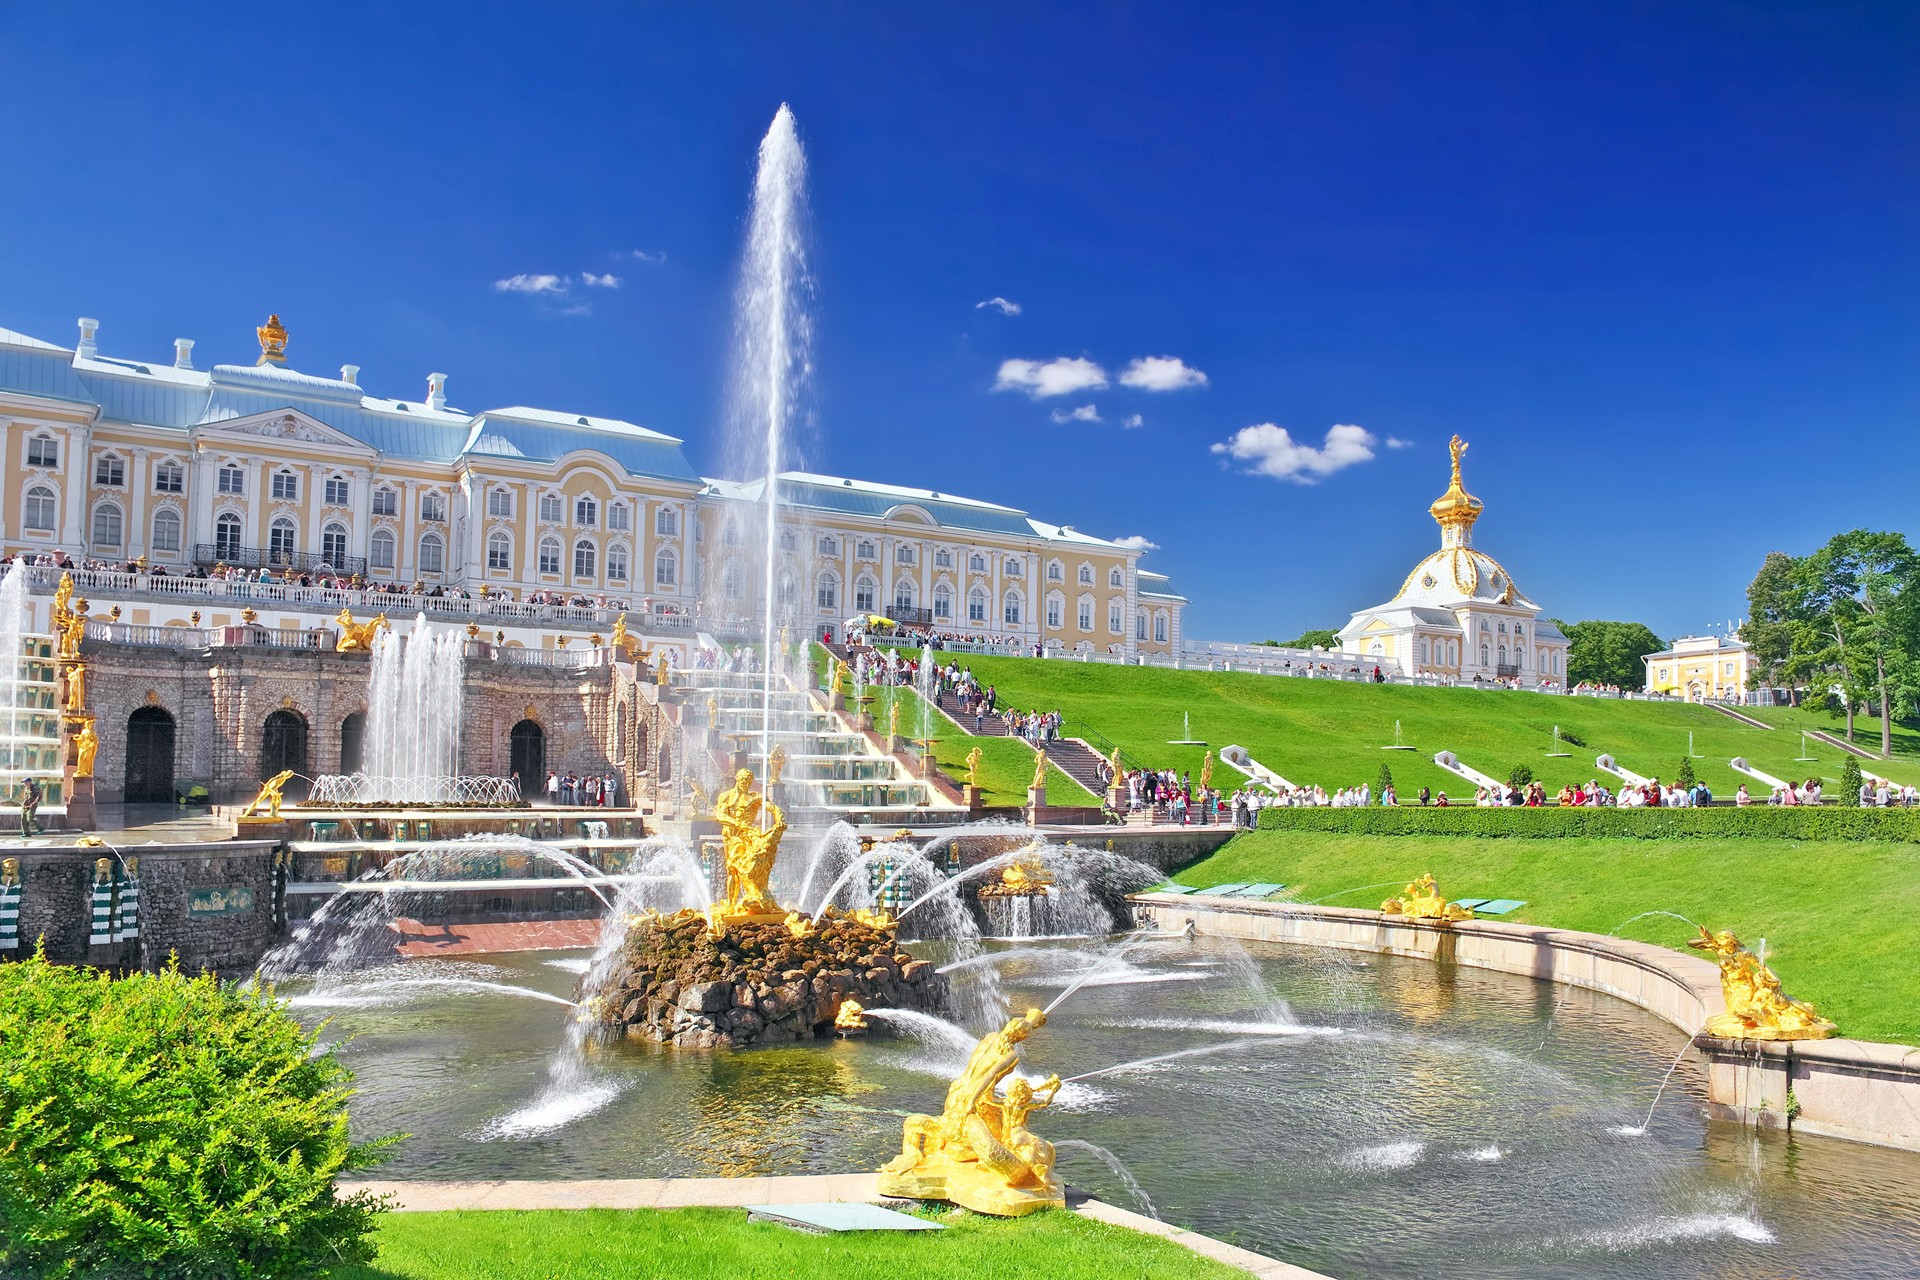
x=604 y=1244
x=1832 y=914
x=1330 y=732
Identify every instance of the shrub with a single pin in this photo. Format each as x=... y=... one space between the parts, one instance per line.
x=161 y=1125
x=1850 y=783
x=1826 y=822
x=1520 y=776
x=1683 y=776
x=1384 y=781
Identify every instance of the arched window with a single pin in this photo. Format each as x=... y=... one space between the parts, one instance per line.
x=1056 y=611
x=1014 y=567
x=1140 y=625
x=500 y=504
x=976 y=605
x=333 y=545
x=733 y=580
x=1160 y=628
x=433 y=506
x=40 y=504
x=106 y=524
x=583 y=556
x=943 y=602
x=550 y=508
x=1519 y=656
x=169 y=477
x=977 y=563
x=1116 y=622
x=789 y=540
x=586 y=512
x=827 y=591
x=550 y=555
x=1484 y=655
x=1010 y=611
x=379 y=551
x=1086 y=613
x=904 y=553
x=616 y=564
x=666 y=568
x=43 y=451
x=280 y=541
x=286 y=486
x=903 y=594
x=864 y=551
x=109 y=471
x=1115 y=578
x=1056 y=572
x=829 y=545
x=1086 y=575
x=166 y=530
x=617 y=516
x=433 y=554
x=864 y=589
x=385 y=502
x=499 y=549
x=666 y=522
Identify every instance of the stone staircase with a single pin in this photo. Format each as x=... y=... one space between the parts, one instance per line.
x=1080 y=762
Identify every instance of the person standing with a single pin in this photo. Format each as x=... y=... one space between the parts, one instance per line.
x=30 y=807
x=553 y=787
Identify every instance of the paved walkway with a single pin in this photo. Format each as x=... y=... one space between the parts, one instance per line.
x=732 y=1193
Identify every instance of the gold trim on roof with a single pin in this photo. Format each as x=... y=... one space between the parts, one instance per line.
x=1452 y=561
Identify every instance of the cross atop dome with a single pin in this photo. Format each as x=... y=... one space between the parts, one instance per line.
x=1456 y=509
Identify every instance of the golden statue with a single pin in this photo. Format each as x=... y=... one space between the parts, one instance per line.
x=974 y=757
x=269 y=797
x=77 y=687
x=10 y=871
x=1206 y=771
x=849 y=1018
x=776 y=765
x=63 y=599
x=701 y=804
x=1456 y=446
x=72 y=631
x=978 y=1152
x=713 y=709
x=798 y=925
x=893 y=717
x=1039 y=782
x=273 y=341
x=1115 y=768
x=750 y=830
x=839 y=678
x=356 y=637
x=87 y=744
x=1422 y=900
x=1026 y=874
x=1757 y=1009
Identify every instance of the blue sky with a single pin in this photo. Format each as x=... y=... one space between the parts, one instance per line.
x=1656 y=262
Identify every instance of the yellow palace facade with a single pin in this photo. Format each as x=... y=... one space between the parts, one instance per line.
x=538 y=523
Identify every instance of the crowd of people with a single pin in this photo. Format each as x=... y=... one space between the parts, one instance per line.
x=582 y=791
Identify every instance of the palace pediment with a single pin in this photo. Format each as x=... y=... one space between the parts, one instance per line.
x=286 y=425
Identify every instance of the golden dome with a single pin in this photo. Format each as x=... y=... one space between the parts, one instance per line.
x=1456 y=508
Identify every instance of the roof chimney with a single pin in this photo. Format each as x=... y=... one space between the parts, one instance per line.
x=436 y=391
x=350 y=374
x=183 y=353
x=87 y=350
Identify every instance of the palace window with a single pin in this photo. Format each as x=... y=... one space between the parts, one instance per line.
x=1115 y=578
x=1086 y=613
x=333 y=545
x=433 y=506
x=433 y=554
x=280 y=541
x=550 y=555
x=903 y=596
x=226 y=537
x=232 y=479
x=666 y=522
x=286 y=486
x=863 y=593
x=1010 y=610
x=733 y=581
x=829 y=545
x=106 y=525
x=616 y=564
x=1160 y=628
x=864 y=551
x=550 y=508
x=976 y=605
x=338 y=491
x=166 y=530
x=977 y=563
x=789 y=540
x=943 y=559
x=1014 y=567
x=500 y=504
x=109 y=471
x=1116 y=625
x=586 y=512
x=40 y=506
x=730 y=534
x=169 y=477
x=1140 y=625
x=827 y=591
x=43 y=451
x=1056 y=572
x=583 y=557
x=499 y=550
x=617 y=516
x=1485 y=656
x=665 y=569
x=1056 y=612
x=385 y=502
x=1086 y=575
x=903 y=554
x=943 y=602
x=380 y=550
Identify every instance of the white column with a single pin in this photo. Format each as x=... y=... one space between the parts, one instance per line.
x=139 y=497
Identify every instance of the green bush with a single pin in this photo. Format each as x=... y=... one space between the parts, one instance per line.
x=161 y=1125
x=1519 y=776
x=1683 y=776
x=1850 y=783
x=1381 y=783
x=1827 y=822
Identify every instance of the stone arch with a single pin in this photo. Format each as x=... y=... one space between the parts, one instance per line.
x=527 y=757
x=353 y=742
x=150 y=749
x=283 y=745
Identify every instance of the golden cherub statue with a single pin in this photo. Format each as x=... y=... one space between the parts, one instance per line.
x=751 y=827
x=1422 y=900
x=974 y=757
x=1757 y=1009
x=87 y=746
x=356 y=637
x=978 y=1152
x=269 y=797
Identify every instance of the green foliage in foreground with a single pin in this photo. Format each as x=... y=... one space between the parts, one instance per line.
x=1827 y=822
x=607 y=1244
x=160 y=1125
x=1831 y=914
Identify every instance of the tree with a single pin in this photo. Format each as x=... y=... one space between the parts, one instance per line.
x=1383 y=782
x=1773 y=602
x=1520 y=776
x=1683 y=776
x=1307 y=640
x=1858 y=617
x=1601 y=652
x=1850 y=783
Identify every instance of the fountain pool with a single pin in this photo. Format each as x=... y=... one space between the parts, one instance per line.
x=1363 y=1116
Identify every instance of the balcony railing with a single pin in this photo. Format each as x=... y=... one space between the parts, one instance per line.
x=209 y=554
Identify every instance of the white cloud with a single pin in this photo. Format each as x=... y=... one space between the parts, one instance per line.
x=532 y=284
x=1136 y=543
x=1162 y=373
x=1085 y=413
x=1005 y=307
x=1395 y=442
x=1269 y=451
x=592 y=281
x=653 y=259
x=1060 y=377
x=1131 y=421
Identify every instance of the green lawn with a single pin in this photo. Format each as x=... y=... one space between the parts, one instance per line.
x=1833 y=914
x=1331 y=732
x=607 y=1244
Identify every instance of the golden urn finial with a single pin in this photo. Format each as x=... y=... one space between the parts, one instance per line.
x=273 y=341
x=1456 y=509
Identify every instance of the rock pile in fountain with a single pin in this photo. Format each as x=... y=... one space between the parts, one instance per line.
x=678 y=982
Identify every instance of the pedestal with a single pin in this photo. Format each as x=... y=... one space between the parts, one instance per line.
x=970 y=795
x=1036 y=803
x=864 y=722
x=79 y=796
x=1117 y=799
x=839 y=702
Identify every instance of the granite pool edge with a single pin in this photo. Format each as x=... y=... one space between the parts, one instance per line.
x=1860 y=1090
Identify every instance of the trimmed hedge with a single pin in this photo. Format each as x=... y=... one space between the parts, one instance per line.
x=1827 y=822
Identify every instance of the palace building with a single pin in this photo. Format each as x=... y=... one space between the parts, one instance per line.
x=534 y=523
x=1459 y=615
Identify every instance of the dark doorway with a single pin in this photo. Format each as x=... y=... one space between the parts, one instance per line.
x=283 y=745
x=149 y=757
x=527 y=757
x=664 y=774
x=353 y=743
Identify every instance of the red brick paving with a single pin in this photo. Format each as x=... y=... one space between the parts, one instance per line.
x=420 y=939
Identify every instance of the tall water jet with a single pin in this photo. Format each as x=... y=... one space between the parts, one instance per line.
x=414 y=699
x=772 y=361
